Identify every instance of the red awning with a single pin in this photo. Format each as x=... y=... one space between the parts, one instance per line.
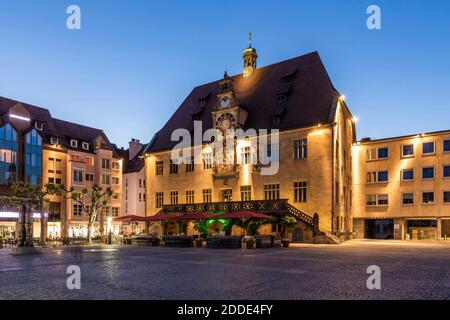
x=161 y=217
x=243 y=215
x=131 y=218
x=196 y=216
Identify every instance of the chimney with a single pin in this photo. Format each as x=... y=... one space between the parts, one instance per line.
x=135 y=147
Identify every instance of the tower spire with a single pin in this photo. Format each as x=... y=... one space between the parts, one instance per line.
x=250 y=57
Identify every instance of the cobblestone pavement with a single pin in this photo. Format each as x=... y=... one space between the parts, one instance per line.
x=410 y=270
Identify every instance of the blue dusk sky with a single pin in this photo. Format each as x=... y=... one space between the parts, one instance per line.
x=133 y=62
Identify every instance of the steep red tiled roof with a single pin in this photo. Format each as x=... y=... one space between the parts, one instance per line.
x=310 y=99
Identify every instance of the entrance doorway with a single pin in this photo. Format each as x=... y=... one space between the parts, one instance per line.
x=422 y=229
x=297 y=235
x=379 y=229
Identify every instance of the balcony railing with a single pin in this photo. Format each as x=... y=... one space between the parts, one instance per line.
x=278 y=207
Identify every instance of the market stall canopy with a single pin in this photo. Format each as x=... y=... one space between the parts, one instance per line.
x=130 y=218
x=243 y=215
x=161 y=217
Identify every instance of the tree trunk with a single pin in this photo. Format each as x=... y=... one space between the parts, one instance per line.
x=43 y=226
x=25 y=232
x=89 y=233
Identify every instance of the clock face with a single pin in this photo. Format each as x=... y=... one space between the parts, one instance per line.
x=225 y=122
x=225 y=102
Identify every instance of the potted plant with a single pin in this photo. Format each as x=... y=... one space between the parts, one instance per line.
x=287 y=222
x=249 y=242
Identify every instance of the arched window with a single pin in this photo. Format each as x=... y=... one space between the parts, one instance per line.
x=8 y=154
x=33 y=157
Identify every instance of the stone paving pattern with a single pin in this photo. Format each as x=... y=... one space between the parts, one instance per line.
x=410 y=270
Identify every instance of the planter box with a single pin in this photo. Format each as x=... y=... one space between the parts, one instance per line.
x=145 y=241
x=224 y=242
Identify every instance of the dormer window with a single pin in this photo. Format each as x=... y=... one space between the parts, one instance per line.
x=202 y=103
x=282 y=98
x=85 y=146
x=39 y=125
x=54 y=141
x=276 y=120
x=74 y=143
x=287 y=80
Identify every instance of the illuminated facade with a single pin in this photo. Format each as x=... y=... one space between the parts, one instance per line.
x=316 y=133
x=39 y=149
x=401 y=187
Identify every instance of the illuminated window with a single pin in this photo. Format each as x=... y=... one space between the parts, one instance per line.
x=115 y=211
x=116 y=165
x=89 y=161
x=246 y=155
x=246 y=193
x=227 y=195
x=115 y=180
x=301 y=149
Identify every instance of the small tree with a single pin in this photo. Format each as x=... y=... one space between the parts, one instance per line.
x=92 y=202
x=37 y=194
x=288 y=222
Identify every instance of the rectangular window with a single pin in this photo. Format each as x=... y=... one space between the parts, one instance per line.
x=428 y=148
x=51 y=180
x=106 y=164
x=246 y=155
x=207 y=195
x=51 y=165
x=89 y=161
x=428 y=197
x=377 y=154
x=58 y=166
x=173 y=197
x=140 y=183
x=74 y=143
x=246 y=193
x=115 y=211
x=159 y=199
x=408 y=198
x=227 y=195
x=115 y=180
x=190 y=164
x=446 y=171
x=300 y=191
x=373 y=200
x=408 y=150
x=446 y=197
x=190 y=198
x=106 y=179
x=446 y=145
x=377 y=176
x=77 y=210
x=207 y=160
x=78 y=176
x=159 y=168
x=271 y=191
x=428 y=173
x=75 y=158
x=89 y=177
x=301 y=149
x=407 y=174
x=173 y=167
x=140 y=196
x=116 y=165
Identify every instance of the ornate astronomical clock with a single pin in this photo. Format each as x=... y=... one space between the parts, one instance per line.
x=226 y=118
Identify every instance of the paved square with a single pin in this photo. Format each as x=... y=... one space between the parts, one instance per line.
x=410 y=270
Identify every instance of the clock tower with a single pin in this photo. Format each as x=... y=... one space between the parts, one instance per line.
x=227 y=117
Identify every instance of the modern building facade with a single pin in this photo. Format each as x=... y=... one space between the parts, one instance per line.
x=39 y=149
x=316 y=134
x=401 y=187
